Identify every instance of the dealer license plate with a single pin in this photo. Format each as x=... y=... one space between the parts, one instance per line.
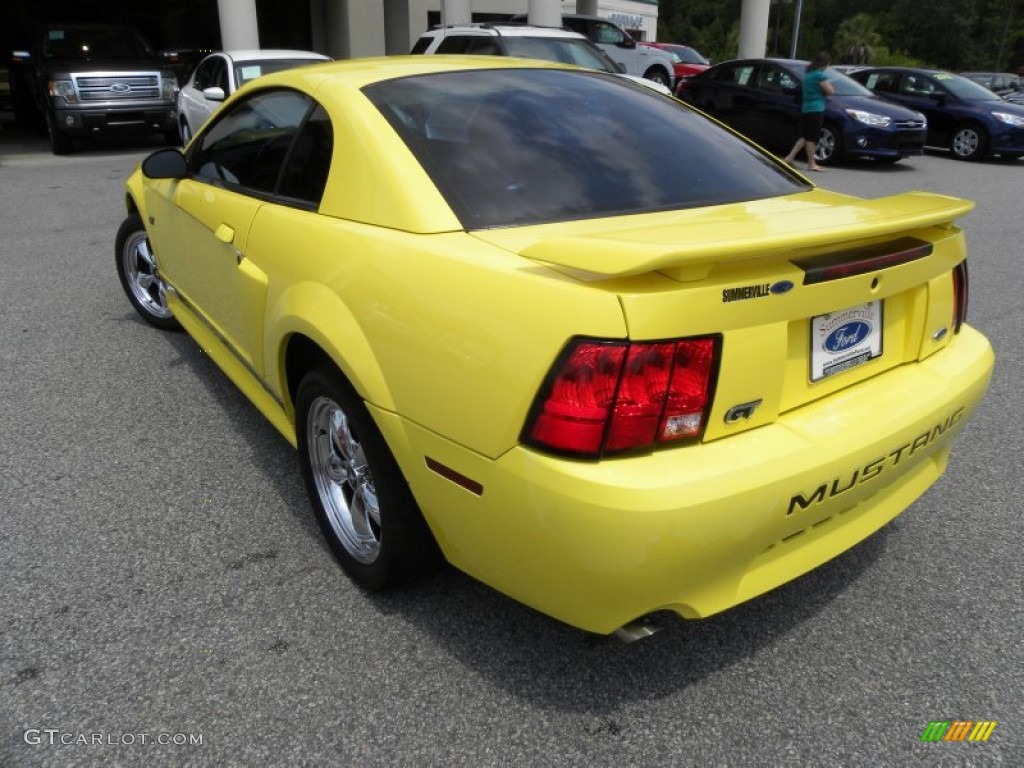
x=845 y=339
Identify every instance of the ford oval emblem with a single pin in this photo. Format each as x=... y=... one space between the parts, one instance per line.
x=846 y=336
x=783 y=286
x=120 y=87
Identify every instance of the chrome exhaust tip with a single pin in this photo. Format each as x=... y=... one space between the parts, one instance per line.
x=630 y=633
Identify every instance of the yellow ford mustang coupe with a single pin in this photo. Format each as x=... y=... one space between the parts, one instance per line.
x=593 y=349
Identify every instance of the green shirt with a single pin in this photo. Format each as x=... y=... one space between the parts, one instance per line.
x=814 y=95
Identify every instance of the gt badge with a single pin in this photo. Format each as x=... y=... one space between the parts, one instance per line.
x=741 y=411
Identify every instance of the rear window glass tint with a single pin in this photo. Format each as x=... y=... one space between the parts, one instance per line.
x=525 y=146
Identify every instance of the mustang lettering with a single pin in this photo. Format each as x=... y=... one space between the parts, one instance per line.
x=872 y=469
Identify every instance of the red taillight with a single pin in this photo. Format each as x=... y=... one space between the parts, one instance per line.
x=612 y=396
x=960 y=286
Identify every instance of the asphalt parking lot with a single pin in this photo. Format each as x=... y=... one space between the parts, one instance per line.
x=167 y=598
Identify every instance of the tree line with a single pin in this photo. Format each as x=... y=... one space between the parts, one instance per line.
x=957 y=35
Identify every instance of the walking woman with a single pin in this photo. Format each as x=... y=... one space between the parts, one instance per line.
x=816 y=89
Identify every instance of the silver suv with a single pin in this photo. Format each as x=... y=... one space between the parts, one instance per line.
x=527 y=42
x=639 y=60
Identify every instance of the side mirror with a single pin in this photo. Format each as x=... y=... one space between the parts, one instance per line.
x=214 y=93
x=627 y=42
x=167 y=163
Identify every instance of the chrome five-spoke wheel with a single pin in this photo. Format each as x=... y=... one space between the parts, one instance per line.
x=361 y=498
x=137 y=270
x=343 y=480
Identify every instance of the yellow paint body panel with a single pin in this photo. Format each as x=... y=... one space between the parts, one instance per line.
x=703 y=528
x=448 y=336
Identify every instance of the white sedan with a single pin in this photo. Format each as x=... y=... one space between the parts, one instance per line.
x=220 y=74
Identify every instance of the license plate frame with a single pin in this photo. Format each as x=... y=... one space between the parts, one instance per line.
x=845 y=339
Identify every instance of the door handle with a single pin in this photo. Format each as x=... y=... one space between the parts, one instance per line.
x=226 y=235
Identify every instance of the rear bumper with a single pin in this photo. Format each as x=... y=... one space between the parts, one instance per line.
x=698 y=529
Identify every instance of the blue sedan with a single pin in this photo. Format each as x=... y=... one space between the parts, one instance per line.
x=963 y=116
x=760 y=98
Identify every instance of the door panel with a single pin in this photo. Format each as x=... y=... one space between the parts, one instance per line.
x=211 y=271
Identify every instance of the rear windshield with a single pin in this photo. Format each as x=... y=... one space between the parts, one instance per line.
x=525 y=146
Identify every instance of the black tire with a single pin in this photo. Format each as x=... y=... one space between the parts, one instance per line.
x=139 y=276
x=658 y=75
x=829 y=149
x=968 y=142
x=60 y=143
x=360 y=497
x=184 y=132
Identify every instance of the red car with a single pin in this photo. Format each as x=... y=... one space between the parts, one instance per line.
x=686 y=61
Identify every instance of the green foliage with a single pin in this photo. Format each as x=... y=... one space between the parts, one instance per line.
x=951 y=34
x=857 y=40
x=884 y=57
x=710 y=26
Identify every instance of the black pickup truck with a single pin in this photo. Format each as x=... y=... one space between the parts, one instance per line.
x=84 y=79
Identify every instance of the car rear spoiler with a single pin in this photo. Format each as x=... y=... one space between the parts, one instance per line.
x=693 y=241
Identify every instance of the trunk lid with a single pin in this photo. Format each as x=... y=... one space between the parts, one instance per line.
x=811 y=293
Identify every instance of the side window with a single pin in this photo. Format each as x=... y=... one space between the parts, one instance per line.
x=247 y=146
x=607 y=33
x=740 y=75
x=219 y=75
x=725 y=75
x=421 y=45
x=884 y=82
x=453 y=44
x=483 y=46
x=916 y=85
x=777 y=80
x=308 y=163
x=204 y=73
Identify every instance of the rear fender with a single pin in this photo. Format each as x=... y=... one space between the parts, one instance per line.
x=315 y=312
